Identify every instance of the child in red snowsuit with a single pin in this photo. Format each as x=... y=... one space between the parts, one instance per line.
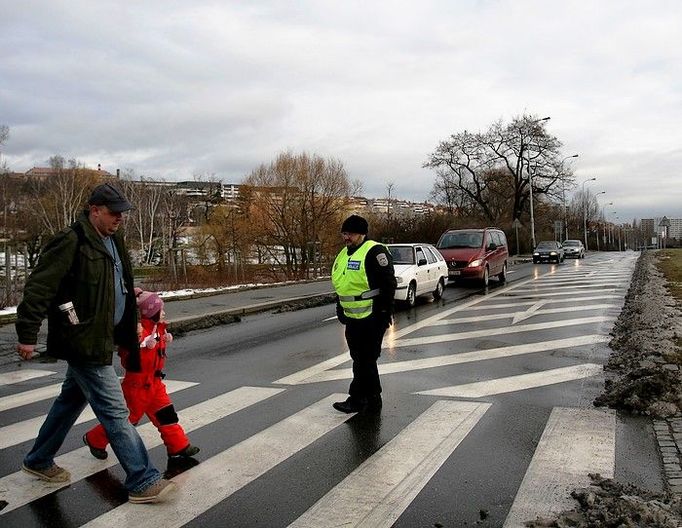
x=144 y=391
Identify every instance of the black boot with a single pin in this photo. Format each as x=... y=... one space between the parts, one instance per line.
x=374 y=403
x=351 y=405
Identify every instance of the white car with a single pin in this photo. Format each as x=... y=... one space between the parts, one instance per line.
x=419 y=269
x=574 y=249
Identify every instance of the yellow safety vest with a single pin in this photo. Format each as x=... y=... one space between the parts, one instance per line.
x=349 y=278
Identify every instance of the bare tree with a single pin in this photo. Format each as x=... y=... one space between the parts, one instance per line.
x=470 y=167
x=59 y=198
x=296 y=203
x=145 y=219
x=4 y=134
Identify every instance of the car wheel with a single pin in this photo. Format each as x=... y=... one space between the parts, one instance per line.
x=411 y=299
x=503 y=275
x=438 y=292
x=486 y=276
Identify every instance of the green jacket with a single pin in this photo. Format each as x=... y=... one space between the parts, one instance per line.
x=76 y=266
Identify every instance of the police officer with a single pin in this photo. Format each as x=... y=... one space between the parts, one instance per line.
x=365 y=283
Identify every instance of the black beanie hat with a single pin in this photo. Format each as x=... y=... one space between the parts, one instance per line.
x=355 y=224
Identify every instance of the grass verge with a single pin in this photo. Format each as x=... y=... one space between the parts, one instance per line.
x=670 y=264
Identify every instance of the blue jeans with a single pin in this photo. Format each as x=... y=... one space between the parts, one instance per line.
x=99 y=386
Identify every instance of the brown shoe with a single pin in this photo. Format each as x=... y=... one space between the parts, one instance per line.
x=54 y=473
x=157 y=492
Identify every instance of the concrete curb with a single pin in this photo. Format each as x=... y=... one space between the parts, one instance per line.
x=181 y=325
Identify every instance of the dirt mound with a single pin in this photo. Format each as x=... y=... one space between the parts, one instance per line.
x=609 y=504
x=643 y=372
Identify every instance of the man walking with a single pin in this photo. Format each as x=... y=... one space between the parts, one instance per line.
x=365 y=283
x=83 y=284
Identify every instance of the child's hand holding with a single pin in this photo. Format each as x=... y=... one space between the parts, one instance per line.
x=148 y=342
x=168 y=337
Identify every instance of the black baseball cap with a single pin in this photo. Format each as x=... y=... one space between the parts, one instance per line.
x=107 y=194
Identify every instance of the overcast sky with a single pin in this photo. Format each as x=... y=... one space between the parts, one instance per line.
x=176 y=89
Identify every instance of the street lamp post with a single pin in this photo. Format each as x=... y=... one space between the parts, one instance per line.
x=605 y=222
x=585 y=211
x=530 y=183
x=563 y=197
x=597 y=237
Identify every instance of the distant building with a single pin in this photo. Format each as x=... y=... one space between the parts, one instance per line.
x=43 y=173
x=675 y=229
x=648 y=227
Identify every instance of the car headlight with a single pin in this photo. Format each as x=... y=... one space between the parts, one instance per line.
x=536 y=254
x=399 y=279
x=552 y=252
x=475 y=263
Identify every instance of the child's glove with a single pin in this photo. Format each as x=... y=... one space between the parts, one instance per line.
x=148 y=342
x=168 y=337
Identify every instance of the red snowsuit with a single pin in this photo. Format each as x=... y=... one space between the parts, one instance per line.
x=145 y=392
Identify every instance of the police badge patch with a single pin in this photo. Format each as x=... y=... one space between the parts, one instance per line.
x=382 y=259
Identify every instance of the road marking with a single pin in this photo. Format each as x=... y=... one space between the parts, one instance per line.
x=495 y=317
x=550 y=301
x=29 y=396
x=441 y=338
x=460 y=307
x=464 y=357
x=376 y=493
x=215 y=479
x=528 y=294
x=17 y=376
x=520 y=316
x=28 y=429
x=575 y=442
x=521 y=382
x=19 y=488
x=595 y=286
x=297 y=377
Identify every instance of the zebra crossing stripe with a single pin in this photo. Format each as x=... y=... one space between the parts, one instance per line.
x=17 y=376
x=493 y=317
x=215 y=479
x=465 y=357
x=298 y=377
x=528 y=294
x=29 y=396
x=491 y=387
x=382 y=487
x=20 y=489
x=440 y=338
x=22 y=431
x=594 y=286
x=575 y=442
x=551 y=301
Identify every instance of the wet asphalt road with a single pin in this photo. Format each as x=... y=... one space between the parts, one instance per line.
x=477 y=480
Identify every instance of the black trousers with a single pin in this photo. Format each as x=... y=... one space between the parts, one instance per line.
x=364 y=337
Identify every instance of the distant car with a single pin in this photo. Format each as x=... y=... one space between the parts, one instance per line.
x=419 y=269
x=574 y=249
x=476 y=254
x=548 y=251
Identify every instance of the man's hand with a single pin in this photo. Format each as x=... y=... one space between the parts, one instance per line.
x=26 y=351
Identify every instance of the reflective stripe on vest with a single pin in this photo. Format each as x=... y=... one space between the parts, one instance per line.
x=349 y=278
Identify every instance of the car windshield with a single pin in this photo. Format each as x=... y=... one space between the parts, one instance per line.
x=575 y=243
x=402 y=254
x=547 y=245
x=461 y=240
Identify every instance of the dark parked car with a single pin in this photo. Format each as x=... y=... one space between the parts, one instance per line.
x=548 y=251
x=574 y=249
x=475 y=254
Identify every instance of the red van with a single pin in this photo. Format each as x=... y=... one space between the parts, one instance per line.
x=475 y=254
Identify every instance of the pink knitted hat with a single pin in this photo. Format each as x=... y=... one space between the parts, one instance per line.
x=149 y=303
